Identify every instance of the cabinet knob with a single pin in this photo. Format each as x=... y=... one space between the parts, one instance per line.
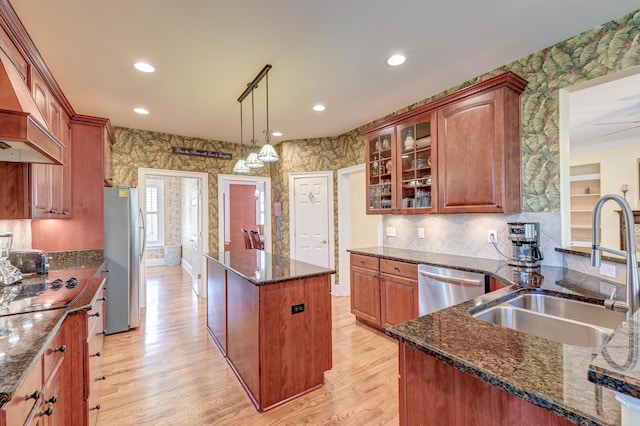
x=102 y=299
x=396 y=268
x=52 y=211
x=97 y=314
x=103 y=332
x=63 y=213
x=47 y=412
x=62 y=349
x=96 y=354
x=101 y=378
x=34 y=395
x=362 y=261
x=97 y=407
x=52 y=400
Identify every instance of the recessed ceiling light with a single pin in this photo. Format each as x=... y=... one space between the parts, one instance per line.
x=396 y=60
x=144 y=67
x=277 y=134
x=142 y=111
x=319 y=107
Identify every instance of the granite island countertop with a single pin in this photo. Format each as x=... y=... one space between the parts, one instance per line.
x=260 y=267
x=23 y=337
x=551 y=375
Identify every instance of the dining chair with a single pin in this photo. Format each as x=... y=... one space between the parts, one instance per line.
x=255 y=239
x=247 y=239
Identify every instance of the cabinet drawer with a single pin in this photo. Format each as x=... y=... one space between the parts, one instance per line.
x=368 y=262
x=95 y=317
x=401 y=269
x=54 y=353
x=25 y=399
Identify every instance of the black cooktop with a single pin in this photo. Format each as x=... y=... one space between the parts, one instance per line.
x=40 y=295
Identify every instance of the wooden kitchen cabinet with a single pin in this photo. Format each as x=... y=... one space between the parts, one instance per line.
x=458 y=154
x=479 y=153
x=398 y=292
x=14 y=191
x=384 y=292
x=217 y=304
x=44 y=396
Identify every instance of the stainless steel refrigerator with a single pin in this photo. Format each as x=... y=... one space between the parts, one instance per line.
x=124 y=239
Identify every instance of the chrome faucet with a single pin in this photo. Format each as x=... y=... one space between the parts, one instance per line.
x=633 y=288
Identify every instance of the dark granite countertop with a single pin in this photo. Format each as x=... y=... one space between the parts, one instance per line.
x=261 y=267
x=549 y=374
x=23 y=337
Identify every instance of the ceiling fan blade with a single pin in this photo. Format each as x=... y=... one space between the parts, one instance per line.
x=619 y=131
x=617 y=122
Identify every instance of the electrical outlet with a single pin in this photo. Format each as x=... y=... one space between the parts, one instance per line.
x=492 y=236
x=390 y=231
x=421 y=233
x=608 y=270
x=296 y=309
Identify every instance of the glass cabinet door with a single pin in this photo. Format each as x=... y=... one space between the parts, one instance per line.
x=379 y=172
x=417 y=161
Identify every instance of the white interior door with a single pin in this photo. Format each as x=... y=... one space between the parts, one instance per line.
x=312 y=230
x=195 y=236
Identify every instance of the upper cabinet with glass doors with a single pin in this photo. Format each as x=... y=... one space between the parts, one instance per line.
x=458 y=154
x=379 y=170
x=417 y=165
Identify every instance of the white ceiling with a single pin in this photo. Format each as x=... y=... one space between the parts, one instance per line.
x=332 y=52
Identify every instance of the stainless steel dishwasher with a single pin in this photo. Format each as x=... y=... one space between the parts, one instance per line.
x=439 y=288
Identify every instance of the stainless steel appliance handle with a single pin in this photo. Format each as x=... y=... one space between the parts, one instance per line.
x=451 y=280
x=144 y=235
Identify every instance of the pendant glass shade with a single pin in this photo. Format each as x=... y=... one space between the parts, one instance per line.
x=241 y=167
x=253 y=162
x=267 y=154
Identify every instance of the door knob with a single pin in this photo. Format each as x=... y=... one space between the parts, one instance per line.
x=324 y=241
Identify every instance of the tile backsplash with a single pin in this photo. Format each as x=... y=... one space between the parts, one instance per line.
x=466 y=234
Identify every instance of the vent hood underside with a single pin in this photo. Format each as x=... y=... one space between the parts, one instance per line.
x=24 y=134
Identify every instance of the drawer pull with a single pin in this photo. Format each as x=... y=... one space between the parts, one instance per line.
x=97 y=314
x=52 y=400
x=47 y=412
x=102 y=299
x=97 y=407
x=396 y=268
x=101 y=378
x=102 y=333
x=96 y=354
x=34 y=395
x=62 y=349
x=362 y=261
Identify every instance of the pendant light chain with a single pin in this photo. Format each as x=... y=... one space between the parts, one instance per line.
x=267 y=136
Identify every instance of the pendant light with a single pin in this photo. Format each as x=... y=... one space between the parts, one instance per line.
x=267 y=153
x=253 y=162
x=241 y=166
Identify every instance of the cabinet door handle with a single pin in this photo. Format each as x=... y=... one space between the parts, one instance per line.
x=362 y=261
x=102 y=299
x=101 y=378
x=396 y=268
x=97 y=314
x=47 y=412
x=62 y=349
x=34 y=395
x=97 y=407
x=96 y=354
x=52 y=400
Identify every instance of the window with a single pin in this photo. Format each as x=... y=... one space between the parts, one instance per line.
x=155 y=216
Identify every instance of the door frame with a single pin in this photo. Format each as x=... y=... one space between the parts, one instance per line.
x=204 y=211
x=342 y=288
x=222 y=178
x=330 y=207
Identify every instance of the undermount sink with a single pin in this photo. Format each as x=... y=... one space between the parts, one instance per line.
x=567 y=321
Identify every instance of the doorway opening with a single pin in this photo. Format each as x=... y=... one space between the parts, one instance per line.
x=356 y=229
x=243 y=202
x=175 y=205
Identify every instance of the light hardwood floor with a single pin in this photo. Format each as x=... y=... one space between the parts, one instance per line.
x=169 y=371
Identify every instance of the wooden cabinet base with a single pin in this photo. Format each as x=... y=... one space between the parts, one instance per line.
x=434 y=393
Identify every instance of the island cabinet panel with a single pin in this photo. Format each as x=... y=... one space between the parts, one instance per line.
x=217 y=304
x=295 y=324
x=243 y=349
x=434 y=393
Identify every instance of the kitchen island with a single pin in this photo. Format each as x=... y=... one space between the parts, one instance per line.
x=455 y=369
x=271 y=318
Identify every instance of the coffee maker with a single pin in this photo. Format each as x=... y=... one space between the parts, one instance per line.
x=525 y=241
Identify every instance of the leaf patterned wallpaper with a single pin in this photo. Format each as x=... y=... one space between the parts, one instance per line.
x=603 y=50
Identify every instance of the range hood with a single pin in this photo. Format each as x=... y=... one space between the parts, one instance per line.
x=24 y=134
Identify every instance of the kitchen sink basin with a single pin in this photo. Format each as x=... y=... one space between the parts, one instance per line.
x=562 y=320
